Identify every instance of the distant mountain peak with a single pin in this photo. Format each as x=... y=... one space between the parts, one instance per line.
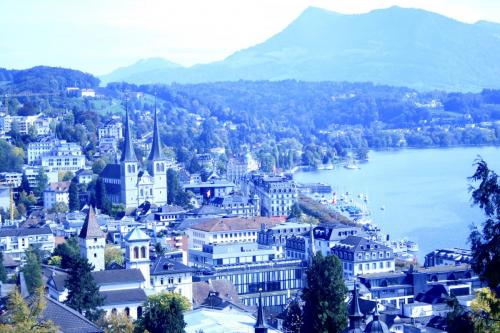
x=395 y=46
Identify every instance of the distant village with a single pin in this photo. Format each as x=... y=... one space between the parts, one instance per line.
x=238 y=250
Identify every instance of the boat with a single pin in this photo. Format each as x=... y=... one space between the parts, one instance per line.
x=351 y=165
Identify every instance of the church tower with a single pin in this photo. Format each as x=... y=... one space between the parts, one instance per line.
x=92 y=241
x=129 y=168
x=137 y=252
x=158 y=166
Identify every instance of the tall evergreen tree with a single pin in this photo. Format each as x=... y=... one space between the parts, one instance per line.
x=102 y=201
x=172 y=186
x=69 y=252
x=485 y=244
x=293 y=320
x=74 y=196
x=325 y=310
x=41 y=182
x=3 y=272
x=32 y=270
x=25 y=184
x=83 y=293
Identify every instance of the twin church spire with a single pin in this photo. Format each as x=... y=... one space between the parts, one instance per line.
x=128 y=153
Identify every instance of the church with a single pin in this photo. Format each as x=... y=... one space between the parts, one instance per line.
x=127 y=183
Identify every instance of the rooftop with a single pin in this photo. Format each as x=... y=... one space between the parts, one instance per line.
x=115 y=297
x=236 y=223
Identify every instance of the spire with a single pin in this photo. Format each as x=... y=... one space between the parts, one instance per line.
x=156 y=153
x=128 y=153
x=355 y=314
x=91 y=228
x=260 y=326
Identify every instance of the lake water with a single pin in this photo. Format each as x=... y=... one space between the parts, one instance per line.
x=424 y=192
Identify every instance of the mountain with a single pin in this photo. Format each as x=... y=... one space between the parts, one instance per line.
x=44 y=79
x=150 y=68
x=395 y=46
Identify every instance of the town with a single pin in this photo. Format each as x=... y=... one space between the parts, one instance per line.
x=230 y=239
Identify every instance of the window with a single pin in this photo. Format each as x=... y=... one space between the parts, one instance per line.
x=127 y=312
x=143 y=252
x=136 y=252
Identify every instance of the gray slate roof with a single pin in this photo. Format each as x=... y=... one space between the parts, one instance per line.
x=67 y=319
x=118 y=276
x=111 y=170
x=128 y=153
x=91 y=228
x=361 y=244
x=156 y=153
x=16 y=232
x=116 y=297
x=164 y=265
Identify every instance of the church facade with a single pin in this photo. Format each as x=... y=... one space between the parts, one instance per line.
x=127 y=183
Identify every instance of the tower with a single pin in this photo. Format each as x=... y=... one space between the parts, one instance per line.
x=158 y=166
x=355 y=315
x=129 y=168
x=92 y=241
x=260 y=326
x=137 y=252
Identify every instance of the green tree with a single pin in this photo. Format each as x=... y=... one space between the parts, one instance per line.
x=172 y=186
x=486 y=311
x=32 y=270
x=458 y=320
x=295 y=211
x=11 y=157
x=485 y=244
x=69 y=252
x=102 y=201
x=83 y=295
x=74 y=196
x=25 y=316
x=113 y=254
x=118 y=323
x=41 y=182
x=324 y=308
x=3 y=272
x=68 y=175
x=163 y=313
x=25 y=184
x=293 y=319
x=60 y=207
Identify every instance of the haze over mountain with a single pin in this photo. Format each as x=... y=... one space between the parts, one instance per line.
x=395 y=46
x=142 y=68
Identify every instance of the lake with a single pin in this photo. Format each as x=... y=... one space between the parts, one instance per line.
x=424 y=192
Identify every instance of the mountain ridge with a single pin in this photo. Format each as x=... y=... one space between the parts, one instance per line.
x=395 y=46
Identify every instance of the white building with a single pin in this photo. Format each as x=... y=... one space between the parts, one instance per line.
x=32 y=172
x=15 y=241
x=362 y=256
x=277 y=193
x=227 y=230
x=112 y=129
x=170 y=275
x=64 y=156
x=55 y=193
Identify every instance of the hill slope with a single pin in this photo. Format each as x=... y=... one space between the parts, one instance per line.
x=396 y=46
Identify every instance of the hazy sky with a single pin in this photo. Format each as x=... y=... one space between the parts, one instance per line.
x=100 y=35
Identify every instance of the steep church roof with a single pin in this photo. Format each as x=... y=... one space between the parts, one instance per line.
x=136 y=234
x=156 y=152
x=91 y=228
x=128 y=153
